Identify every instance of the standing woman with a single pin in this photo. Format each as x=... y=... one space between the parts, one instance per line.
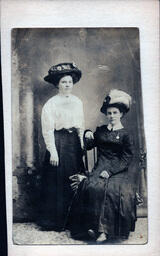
x=62 y=128
x=106 y=199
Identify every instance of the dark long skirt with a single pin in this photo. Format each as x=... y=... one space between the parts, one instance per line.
x=56 y=193
x=107 y=206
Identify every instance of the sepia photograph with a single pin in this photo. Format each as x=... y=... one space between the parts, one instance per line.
x=80 y=117
x=78 y=138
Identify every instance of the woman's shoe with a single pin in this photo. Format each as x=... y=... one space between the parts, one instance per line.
x=92 y=234
x=102 y=237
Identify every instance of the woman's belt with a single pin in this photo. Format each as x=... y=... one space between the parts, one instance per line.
x=69 y=130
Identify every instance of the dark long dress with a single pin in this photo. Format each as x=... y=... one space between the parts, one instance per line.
x=56 y=191
x=106 y=205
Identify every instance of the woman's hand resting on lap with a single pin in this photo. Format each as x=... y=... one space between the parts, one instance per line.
x=104 y=174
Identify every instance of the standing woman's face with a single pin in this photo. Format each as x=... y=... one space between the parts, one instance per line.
x=65 y=85
x=113 y=115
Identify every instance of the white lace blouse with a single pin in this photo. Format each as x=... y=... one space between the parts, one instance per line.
x=61 y=112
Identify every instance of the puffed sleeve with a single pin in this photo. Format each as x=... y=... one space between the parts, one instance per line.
x=48 y=123
x=122 y=162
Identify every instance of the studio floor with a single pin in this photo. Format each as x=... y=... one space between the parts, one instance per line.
x=30 y=234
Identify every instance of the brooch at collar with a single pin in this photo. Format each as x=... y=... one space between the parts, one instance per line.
x=117 y=137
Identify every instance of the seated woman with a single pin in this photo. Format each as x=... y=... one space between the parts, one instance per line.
x=104 y=205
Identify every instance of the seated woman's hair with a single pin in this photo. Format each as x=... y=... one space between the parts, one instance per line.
x=122 y=108
x=117 y=98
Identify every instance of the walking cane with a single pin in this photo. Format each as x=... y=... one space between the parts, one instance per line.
x=75 y=193
x=68 y=212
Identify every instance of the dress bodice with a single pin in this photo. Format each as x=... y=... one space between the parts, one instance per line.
x=114 y=150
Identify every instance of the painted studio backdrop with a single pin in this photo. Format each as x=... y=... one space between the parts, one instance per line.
x=109 y=58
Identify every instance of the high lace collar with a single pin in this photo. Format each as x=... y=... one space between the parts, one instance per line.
x=115 y=127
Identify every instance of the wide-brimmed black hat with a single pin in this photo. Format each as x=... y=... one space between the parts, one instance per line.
x=56 y=72
x=117 y=98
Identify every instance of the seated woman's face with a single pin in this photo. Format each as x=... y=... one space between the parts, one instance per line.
x=65 y=85
x=113 y=115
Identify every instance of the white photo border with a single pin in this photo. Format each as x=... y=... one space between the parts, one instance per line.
x=143 y=14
